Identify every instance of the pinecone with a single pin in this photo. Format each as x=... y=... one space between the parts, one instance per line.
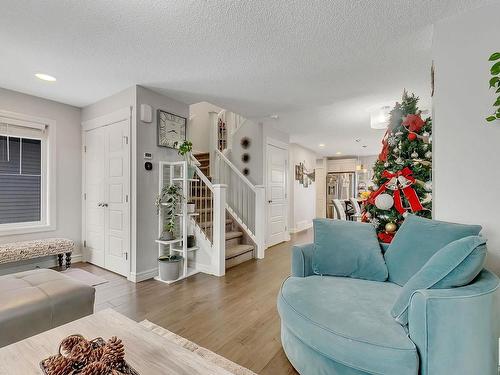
x=69 y=342
x=96 y=368
x=58 y=365
x=96 y=354
x=81 y=352
x=114 y=351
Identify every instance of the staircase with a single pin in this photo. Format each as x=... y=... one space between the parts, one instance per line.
x=239 y=246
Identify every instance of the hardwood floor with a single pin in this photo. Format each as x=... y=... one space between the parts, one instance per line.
x=234 y=316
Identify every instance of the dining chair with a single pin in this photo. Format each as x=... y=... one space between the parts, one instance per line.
x=357 y=209
x=339 y=209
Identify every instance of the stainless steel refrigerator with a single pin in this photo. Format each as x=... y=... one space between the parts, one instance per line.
x=339 y=185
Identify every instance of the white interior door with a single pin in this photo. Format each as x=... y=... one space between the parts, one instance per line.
x=94 y=192
x=277 y=212
x=107 y=204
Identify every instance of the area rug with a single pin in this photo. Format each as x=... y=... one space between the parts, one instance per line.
x=206 y=354
x=84 y=276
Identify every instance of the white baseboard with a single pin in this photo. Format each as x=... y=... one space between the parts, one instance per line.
x=30 y=264
x=144 y=275
x=305 y=227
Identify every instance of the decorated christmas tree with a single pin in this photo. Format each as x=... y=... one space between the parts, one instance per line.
x=403 y=171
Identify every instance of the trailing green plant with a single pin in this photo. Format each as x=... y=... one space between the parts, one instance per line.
x=170 y=258
x=185 y=149
x=169 y=198
x=495 y=84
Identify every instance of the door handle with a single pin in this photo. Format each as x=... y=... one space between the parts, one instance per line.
x=269 y=201
x=99 y=204
x=105 y=205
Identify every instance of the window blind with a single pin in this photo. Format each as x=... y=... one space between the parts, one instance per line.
x=20 y=176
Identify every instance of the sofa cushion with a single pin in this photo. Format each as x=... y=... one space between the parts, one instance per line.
x=347 y=248
x=456 y=264
x=417 y=240
x=348 y=321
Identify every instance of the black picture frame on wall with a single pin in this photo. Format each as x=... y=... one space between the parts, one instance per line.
x=170 y=129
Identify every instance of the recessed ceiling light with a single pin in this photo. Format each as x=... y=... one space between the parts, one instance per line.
x=274 y=117
x=321 y=145
x=45 y=77
x=338 y=153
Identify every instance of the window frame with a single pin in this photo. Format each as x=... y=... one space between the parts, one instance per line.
x=47 y=172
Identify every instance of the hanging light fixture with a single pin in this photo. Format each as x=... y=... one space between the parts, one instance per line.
x=379 y=119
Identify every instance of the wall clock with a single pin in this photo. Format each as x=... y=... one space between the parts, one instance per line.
x=171 y=129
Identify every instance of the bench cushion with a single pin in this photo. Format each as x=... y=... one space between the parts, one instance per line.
x=348 y=321
x=16 y=251
x=35 y=301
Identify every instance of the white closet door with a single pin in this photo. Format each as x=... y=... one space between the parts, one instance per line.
x=107 y=188
x=117 y=177
x=94 y=180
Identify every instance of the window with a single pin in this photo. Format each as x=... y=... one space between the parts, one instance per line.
x=24 y=172
x=20 y=180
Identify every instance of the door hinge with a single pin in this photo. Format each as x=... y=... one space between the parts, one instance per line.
x=84 y=196
x=84 y=148
x=126 y=139
x=126 y=256
x=126 y=198
x=85 y=243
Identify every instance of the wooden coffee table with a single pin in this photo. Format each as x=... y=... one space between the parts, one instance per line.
x=147 y=352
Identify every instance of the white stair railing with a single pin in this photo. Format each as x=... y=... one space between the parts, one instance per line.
x=244 y=200
x=210 y=217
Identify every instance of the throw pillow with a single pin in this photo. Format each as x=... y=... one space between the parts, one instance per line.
x=347 y=248
x=417 y=240
x=456 y=264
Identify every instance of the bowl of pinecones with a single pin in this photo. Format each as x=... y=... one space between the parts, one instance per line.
x=79 y=356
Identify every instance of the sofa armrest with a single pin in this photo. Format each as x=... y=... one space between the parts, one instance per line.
x=456 y=330
x=302 y=260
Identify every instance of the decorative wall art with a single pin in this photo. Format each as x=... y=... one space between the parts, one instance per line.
x=303 y=176
x=245 y=142
x=171 y=129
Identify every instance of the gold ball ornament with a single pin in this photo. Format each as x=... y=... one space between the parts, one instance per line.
x=390 y=227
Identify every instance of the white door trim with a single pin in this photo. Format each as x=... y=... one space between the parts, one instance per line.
x=108 y=119
x=285 y=146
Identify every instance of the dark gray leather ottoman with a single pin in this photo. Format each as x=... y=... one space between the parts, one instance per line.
x=35 y=301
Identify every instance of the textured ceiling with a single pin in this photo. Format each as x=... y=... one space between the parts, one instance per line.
x=330 y=60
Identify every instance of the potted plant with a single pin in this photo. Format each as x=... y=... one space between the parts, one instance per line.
x=185 y=150
x=169 y=267
x=169 y=198
x=191 y=207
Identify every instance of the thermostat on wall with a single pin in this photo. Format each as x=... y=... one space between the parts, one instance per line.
x=148 y=156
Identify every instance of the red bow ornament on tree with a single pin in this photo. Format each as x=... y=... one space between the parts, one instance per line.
x=385 y=148
x=400 y=181
x=414 y=123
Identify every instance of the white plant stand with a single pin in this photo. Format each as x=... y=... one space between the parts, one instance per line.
x=176 y=173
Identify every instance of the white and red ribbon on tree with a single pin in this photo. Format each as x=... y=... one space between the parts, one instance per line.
x=400 y=181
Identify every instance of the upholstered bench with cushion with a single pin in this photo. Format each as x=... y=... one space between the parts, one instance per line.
x=17 y=251
x=35 y=301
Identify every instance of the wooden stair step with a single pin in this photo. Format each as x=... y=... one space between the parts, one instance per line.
x=234 y=251
x=232 y=235
x=209 y=223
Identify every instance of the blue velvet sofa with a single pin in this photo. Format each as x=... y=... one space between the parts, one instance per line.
x=341 y=325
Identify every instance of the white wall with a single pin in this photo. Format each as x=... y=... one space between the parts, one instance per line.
x=68 y=173
x=302 y=200
x=466 y=158
x=147 y=181
x=198 y=129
